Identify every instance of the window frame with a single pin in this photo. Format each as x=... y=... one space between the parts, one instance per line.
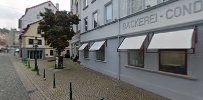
x=51 y=52
x=143 y=57
x=161 y=67
x=93 y=24
x=29 y=41
x=105 y=11
x=85 y=4
x=86 y=26
x=98 y=52
x=39 y=43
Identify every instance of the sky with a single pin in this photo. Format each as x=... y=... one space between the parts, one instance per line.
x=12 y=10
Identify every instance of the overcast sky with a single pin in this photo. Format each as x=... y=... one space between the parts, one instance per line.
x=12 y=10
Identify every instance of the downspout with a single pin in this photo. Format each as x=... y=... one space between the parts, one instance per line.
x=119 y=61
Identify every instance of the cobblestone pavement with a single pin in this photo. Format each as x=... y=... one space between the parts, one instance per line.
x=11 y=87
x=87 y=84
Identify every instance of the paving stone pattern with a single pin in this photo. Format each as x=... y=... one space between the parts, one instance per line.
x=86 y=83
x=11 y=87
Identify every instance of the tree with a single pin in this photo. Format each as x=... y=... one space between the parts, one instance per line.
x=57 y=29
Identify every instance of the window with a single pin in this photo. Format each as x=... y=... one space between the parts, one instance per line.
x=134 y=6
x=86 y=52
x=174 y=61
x=95 y=19
x=38 y=16
x=51 y=52
x=86 y=23
x=39 y=42
x=93 y=1
x=161 y=1
x=31 y=41
x=100 y=54
x=109 y=12
x=38 y=31
x=136 y=58
x=150 y=3
x=85 y=3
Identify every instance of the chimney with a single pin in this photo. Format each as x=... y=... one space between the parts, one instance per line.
x=57 y=6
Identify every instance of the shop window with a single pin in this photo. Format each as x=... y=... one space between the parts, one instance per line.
x=86 y=52
x=51 y=52
x=136 y=58
x=174 y=61
x=109 y=12
x=95 y=19
x=31 y=41
x=39 y=42
x=100 y=54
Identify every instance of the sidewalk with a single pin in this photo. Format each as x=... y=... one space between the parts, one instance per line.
x=86 y=84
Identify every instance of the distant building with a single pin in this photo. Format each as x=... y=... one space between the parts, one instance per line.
x=13 y=37
x=27 y=43
x=153 y=44
x=75 y=42
x=32 y=14
x=31 y=18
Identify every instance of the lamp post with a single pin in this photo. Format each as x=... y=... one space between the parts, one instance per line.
x=35 y=54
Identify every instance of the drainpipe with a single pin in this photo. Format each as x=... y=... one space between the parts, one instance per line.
x=119 y=61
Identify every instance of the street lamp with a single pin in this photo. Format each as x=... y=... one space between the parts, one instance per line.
x=35 y=45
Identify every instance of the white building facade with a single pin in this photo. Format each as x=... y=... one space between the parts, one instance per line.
x=75 y=41
x=153 y=44
x=32 y=14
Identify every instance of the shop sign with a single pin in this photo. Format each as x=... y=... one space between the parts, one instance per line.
x=179 y=12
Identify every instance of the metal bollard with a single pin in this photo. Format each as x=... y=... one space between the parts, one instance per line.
x=37 y=70
x=70 y=92
x=54 y=81
x=28 y=63
x=44 y=75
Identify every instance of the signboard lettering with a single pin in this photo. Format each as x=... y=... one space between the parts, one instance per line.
x=163 y=16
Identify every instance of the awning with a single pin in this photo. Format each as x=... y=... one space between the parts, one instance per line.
x=96 y=46
x=83 y=46
x=132 y=42
x=172 y=40
x=17 y=50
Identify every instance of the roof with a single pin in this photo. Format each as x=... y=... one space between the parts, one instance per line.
x=37 y=6
x=25 y=29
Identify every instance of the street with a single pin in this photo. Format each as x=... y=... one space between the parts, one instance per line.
x=11 y=87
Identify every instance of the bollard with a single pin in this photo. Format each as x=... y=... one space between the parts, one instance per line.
x=28 y=63
x=70 y=92
x=37 y=70
x=44 y=75
x=54 y=81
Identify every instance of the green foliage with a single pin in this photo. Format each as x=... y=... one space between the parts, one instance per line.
x=57 y=28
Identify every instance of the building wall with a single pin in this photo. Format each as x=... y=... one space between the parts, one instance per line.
x=108 y=66
x=31 y=14
x=98 y=6
x=173 y=86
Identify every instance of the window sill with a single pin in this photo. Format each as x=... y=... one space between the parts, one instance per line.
x=93 y=1
x=101 y=61
x=87 y=58
x=85 y=7
x=163 y=73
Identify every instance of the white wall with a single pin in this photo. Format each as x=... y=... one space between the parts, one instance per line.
x=31 y=15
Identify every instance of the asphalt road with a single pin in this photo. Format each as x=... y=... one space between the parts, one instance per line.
x=11 y=87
